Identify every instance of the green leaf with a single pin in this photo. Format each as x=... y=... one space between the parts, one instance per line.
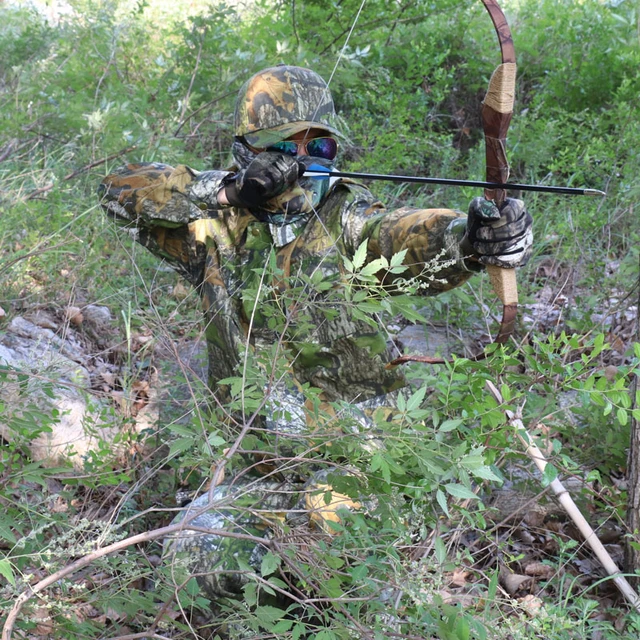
x=192 y=587
x=7 y=571
x=371 y=268
x=623 y=416
x=182 y=430
x=441 y=550
x=268 y=615
x=442 y=501
x=549 y=475
x=180 y=445
x=250 y=594
x=460 y=491
x=485 y=473
x=215 y=440
x=360 y=256
x=378 y=462
x=416 y=399
x=282 y=626
x=359 y=572
x=398 y=258
x=269 y=564
x=493 y=588
x=5 y=529
x=370 y=306
x=450 y=425
x=333 y=587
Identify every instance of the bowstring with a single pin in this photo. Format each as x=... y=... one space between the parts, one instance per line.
x=346 y=42
x=341 y=53
x=327 y=90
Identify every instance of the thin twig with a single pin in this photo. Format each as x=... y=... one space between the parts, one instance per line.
x=97 y=163
x=193 y=75
x=8 y=149
x=204 y=106
x=294 y=26
x=36 y=192
x=365 y=26
x=141 y=636
x=4 y=266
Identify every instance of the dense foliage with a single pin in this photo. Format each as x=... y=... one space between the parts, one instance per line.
x=102 y=82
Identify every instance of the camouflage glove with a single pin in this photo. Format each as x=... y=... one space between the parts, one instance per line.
x=268 y=175
x=501 y=237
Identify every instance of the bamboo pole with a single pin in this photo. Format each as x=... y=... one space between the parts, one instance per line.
x=565 y=499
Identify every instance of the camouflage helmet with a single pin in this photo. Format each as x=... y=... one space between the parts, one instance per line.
x=280 y=101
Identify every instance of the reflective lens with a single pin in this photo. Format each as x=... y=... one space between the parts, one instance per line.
x=288 y=147
x=326 y=148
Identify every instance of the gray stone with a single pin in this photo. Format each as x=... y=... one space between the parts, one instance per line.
x=68 y=421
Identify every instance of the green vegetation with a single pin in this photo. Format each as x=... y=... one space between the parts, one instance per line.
x=425 y=558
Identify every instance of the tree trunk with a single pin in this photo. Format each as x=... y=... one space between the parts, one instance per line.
x=632 y=545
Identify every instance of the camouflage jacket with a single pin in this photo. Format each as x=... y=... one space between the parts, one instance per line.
x=225 y=251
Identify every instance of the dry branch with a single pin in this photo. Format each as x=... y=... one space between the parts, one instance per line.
x=147 y=536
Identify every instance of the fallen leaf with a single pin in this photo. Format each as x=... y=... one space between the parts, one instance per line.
x=531 y=605
x=44 y=626
x=459 y=577
x=180 y=292
x=109 y=378
x=539 y=570
x=140 y=387
x=74 y=315
x=513 y=582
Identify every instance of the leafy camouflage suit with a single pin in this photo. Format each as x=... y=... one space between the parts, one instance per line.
x=221 y=251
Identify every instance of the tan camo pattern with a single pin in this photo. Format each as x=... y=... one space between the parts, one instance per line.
x=223 y=251
x=284 y=100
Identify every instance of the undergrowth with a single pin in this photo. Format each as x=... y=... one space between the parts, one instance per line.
x=426 y=555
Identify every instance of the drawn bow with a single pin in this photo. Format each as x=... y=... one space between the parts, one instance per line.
x=497 y=109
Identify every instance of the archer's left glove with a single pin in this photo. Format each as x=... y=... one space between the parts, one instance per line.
x=500 y=236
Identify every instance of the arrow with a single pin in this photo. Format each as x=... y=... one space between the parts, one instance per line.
x=455 y=183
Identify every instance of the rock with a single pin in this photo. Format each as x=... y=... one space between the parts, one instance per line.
x=97 y=315
x=425 y=340
x=44 y=319
x=46 y=399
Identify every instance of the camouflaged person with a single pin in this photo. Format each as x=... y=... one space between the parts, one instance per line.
x=218 y=228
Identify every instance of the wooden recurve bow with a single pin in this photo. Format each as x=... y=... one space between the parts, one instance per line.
x=497 y=109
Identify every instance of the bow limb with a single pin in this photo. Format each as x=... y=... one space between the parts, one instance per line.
x=497 y=109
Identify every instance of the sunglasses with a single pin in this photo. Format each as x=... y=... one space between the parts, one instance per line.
x=326 y=148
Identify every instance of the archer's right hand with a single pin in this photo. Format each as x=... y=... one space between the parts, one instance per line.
x=268 y=175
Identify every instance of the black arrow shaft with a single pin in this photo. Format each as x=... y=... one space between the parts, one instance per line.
x=457 y=183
